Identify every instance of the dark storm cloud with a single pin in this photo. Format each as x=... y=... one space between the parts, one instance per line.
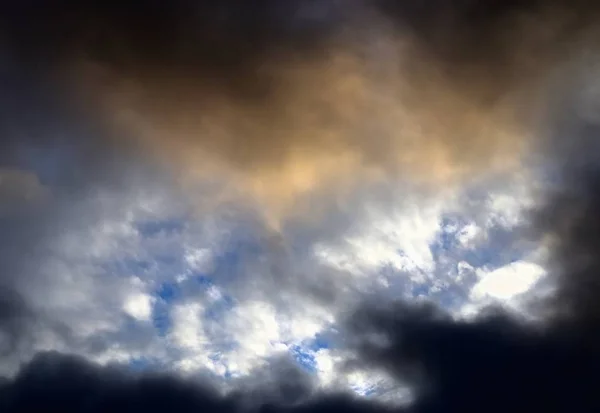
x=491 y=46
x=280 y=381
x=571 y=226
x=286 y=98
x=15 y=320
x=18 y=191
x=494 y=364
x=499 y=362
x=70 y=384
x=212 y=40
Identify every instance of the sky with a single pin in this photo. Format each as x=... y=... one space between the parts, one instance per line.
x=299 y=206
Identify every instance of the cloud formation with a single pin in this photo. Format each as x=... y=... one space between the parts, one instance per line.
x=282 y=101
x=494 y=362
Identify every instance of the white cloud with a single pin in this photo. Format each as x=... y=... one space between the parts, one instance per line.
x=244 y=339
x=188 y=329
x=506 y=282
x=327 y=363
x=255 y=327
x=307 y=323
x=505 y=206
x=214 y=293
x=189 y=338
x=261 y=331
x=139 y=306
x=468 y=234
x=199 y=259
x=400 y=239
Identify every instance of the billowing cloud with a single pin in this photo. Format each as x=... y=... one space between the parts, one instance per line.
x=281 y=101
x=494 y=361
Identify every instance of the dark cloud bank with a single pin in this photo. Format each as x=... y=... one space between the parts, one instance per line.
x=495 y=363
x=282 y=95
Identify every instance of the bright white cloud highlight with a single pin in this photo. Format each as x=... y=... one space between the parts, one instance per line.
x=400 y=239
x=506 y=282
x=139 y=306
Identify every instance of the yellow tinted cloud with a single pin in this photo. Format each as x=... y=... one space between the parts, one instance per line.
x=372 y=104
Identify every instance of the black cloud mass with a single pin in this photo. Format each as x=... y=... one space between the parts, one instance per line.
x=493 y=363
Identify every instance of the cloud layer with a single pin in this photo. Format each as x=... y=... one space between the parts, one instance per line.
x=282 y=101
x=361 y=154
